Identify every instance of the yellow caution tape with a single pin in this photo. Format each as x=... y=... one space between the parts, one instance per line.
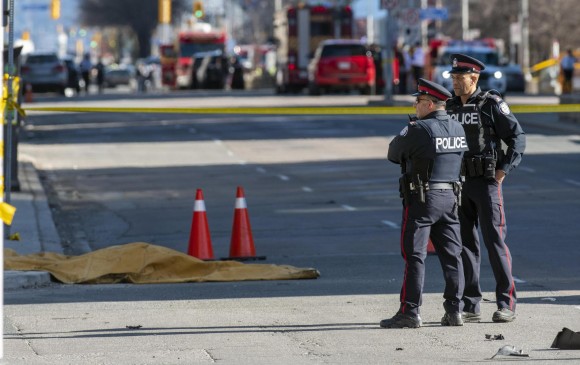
x=354 y=110
x=7 y=213
x=11 y=103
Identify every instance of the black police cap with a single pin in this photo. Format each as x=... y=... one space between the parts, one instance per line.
x=461 y=64
x=430 y=88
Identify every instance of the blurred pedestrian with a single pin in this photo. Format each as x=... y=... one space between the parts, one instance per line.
x=429 y=151
x=567 y=67
x=417 y=62
x=86 y=66
x=237 y=75
x=100 y=69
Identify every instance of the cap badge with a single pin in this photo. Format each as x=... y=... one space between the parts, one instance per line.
x=455 y=62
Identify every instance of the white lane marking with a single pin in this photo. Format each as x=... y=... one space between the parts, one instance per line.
x=577 y=307
x=307 y=189
x=573 y=182
x=348 y=207
x=230 y=153
x=261 y=170
x=283 y=177
x=518 y=280
x=390 y=224
x=526 y=169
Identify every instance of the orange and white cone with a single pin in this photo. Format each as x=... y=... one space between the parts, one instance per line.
x=28 y=93
x=199 y=237
x=431 y=248
x=242 y=242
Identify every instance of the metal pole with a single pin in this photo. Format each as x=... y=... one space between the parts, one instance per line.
x=387 y=54
x=10 y=111
x=2 y=199
x=525 y=36
x=465 y=19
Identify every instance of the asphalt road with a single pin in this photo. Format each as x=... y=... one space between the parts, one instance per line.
x=321 y=194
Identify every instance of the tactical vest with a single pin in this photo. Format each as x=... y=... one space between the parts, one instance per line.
x=448 y=144
x=481 y=137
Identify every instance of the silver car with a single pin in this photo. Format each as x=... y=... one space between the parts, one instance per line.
x=45 y=72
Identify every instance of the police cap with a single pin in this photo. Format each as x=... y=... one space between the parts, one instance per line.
x=461 y=64
x=430 y=88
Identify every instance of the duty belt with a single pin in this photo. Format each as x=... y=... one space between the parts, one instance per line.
x=441 y=186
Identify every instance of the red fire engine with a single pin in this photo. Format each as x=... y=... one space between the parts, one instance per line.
x=179 y=57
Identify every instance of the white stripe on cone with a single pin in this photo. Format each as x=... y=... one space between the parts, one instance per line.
x=241 y=203
x=199 y=206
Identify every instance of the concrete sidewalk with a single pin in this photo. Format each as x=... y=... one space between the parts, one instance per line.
x=33 y=222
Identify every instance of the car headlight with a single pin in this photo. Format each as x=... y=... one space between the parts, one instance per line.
x=497 y=74
x=446 y=74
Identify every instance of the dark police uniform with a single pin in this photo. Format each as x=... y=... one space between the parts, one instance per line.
x=487 y=121
x=430 y=152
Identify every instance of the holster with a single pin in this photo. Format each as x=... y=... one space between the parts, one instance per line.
x=405 y=189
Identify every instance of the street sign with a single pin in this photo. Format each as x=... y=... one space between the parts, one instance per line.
x=410 y=16
x=432 y=13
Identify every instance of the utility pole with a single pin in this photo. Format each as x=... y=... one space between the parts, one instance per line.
x=525 y=11
x=465 y=19
x=2 y=9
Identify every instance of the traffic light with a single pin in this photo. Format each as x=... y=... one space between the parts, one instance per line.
x=198 y=9
x=55 y=9
x=164 y=11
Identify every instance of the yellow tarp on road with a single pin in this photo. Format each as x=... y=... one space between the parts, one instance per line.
x=143 y=263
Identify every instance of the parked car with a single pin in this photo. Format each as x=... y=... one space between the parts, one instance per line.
x=492 y=77
x=341 y=64
x=119 y=75
x=45 y=72
x=210 y=70
x=515 y=78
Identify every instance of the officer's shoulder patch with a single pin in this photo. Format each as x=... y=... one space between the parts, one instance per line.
x=504 y=108
x=404 y=131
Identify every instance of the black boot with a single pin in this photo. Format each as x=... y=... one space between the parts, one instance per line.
x=401 y=320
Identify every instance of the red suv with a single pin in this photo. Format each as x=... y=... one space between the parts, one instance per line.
x=341 y=64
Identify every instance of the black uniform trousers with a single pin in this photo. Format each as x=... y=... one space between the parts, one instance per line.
x=482 y=204
x=436 y=218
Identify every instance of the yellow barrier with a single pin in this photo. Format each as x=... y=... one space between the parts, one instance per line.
x=363 y=110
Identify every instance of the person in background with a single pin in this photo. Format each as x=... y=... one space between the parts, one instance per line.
x=100 y=69
x=417 y=62
x=567 y=67
x=86 y=66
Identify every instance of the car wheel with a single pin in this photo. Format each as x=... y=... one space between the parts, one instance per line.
x=313 y=89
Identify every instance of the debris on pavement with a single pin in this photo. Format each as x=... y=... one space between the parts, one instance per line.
x=134 y=327
x=494 y=337
x=567 y=339
x=509 y=350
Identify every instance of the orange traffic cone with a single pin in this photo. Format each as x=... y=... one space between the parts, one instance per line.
x=199 y=238
x=28 y=93
x=242 y=242
x=431 y=248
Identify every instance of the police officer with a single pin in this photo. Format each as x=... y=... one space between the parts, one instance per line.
x=487 y=121
x=429 y=151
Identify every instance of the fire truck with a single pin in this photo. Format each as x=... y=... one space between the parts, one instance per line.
x=178 y=69
x=299 y=30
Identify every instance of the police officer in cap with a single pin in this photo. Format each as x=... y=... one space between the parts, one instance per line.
x=429 y=150
x=487 y=121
